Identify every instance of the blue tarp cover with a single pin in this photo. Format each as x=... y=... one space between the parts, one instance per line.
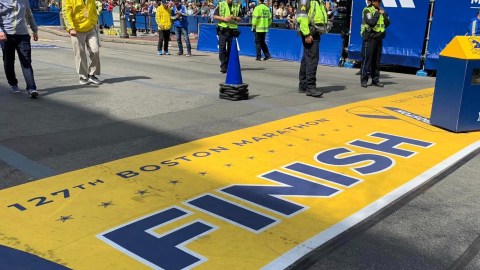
x=449 y=20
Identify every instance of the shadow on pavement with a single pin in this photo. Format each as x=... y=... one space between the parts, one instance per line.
x=124 y=79
x=335 y=88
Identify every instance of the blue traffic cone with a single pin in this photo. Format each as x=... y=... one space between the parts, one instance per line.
x=234 y=88
x=234 y=72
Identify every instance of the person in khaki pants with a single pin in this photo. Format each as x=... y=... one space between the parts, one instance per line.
x=80 y=18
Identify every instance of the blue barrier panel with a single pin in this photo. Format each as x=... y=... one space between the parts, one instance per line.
x=105 y=19
x=449 y=20
x=192 y=24
x=330 y=49
x=43 y=18
x=207 y=38
x=283 y=44
x=405 y=37
x=46 y=18
x=144 y=21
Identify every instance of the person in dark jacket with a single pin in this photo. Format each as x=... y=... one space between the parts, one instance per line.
x=374 y=23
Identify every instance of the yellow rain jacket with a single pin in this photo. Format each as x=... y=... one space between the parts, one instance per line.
x=163 y=18
x=80 y=15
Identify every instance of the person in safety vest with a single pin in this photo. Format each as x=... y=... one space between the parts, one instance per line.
x=474 y=27
x=261 y=20
x=374 y=22
x=359 y=72
x=312 y=19
x=228 y=14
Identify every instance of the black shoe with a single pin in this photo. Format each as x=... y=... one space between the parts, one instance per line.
x=94 y=80
x=364 y=84
x=266 y=58
x=301 y=90
x=359 y=73
x=317 y=94
x=223 y=71
x=378 y=84
x=258 y=59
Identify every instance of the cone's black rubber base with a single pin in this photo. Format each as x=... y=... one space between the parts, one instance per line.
x=233 y=86
x=233 y=97
x=233 y=91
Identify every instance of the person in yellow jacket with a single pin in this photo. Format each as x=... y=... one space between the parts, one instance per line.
x=312 y=19
x=261 y=20
x=164 y=22
x=80 y=18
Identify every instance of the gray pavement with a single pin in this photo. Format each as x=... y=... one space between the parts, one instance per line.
x=149 y=102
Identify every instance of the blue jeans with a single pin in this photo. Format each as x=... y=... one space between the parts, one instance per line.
x=21 y=44
x=179 y=32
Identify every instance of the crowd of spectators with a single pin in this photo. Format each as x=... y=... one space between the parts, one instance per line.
x=281 y=10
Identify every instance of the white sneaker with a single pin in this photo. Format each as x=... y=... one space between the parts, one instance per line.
x=33 y=93
x=83 y=81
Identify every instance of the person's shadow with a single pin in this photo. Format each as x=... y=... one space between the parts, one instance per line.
x=333 y=88
x=54 y=90
x=123 y=79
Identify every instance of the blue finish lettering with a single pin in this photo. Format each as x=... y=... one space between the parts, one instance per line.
x=378 y=163
x=390 y=144
x=231 y=212
x=323 y=174
x=159 y=251
x=267 y=196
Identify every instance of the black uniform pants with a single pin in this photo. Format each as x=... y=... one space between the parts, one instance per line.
x=372 y=52
x=308 y=66
x=261 y=45
x=224 y=46
x=163 y=38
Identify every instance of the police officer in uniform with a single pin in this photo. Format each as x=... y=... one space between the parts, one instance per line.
x=312 y=19
x=261 y=20
x=374 y=22
x=228 y=14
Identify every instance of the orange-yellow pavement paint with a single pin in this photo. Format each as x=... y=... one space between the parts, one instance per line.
x=86 y=219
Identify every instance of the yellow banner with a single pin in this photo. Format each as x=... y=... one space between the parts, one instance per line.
x=260 y=197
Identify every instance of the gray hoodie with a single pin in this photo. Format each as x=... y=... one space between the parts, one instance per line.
x=14 y=16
